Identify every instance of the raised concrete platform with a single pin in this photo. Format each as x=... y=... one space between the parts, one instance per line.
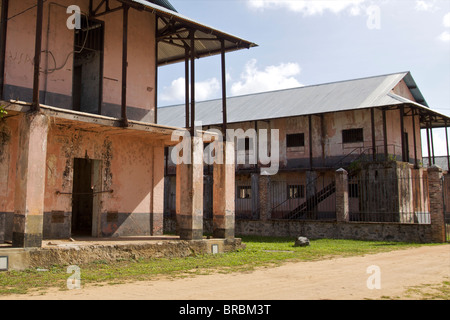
x=87 y=250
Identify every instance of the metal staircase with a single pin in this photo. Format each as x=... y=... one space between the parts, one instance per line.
x=312 y=202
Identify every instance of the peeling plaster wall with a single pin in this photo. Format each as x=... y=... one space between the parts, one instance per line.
x=127 y=167
x=130 y=165
x=8 y=153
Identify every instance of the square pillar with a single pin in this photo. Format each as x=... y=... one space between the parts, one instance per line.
x=265 y=203
x=224 y=193
x=189 y=194
x=342 y=205
x=30 y=181
x=436 y=200
x=158 y=192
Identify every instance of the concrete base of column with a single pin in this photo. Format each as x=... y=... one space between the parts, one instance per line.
x=224 y=193
x=190 y=227
x=224 y=226
x=30 y=181
x=190 y=194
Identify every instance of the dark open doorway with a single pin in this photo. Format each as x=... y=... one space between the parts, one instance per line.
x=88 y=66
x=83 y=197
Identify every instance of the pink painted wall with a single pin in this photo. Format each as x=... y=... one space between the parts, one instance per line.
x=9 y=143
x=133 y=168
x=58 y=42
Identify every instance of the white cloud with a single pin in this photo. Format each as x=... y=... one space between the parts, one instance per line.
x=444 y=36
x=425 y=5
x=446 y=20
x=439 y=143
x=309 y=7
x=204 y=90
x=271 y=78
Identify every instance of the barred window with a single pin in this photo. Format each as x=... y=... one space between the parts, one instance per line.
x=295 y=140
x=244 y=192
x=352 y=135
x=353 y=190
x=296 y=191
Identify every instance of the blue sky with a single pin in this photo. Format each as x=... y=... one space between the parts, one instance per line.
x=306 y=42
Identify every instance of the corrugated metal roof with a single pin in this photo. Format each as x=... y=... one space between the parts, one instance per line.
x=164 y=3
x=174 y=28
x=331 y=97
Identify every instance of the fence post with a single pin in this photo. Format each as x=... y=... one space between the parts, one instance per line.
x=264 y=198
x=436 y=200
x=255 y=195
x=342 y=206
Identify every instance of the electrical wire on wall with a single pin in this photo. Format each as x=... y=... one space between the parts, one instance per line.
x=49 y=52
x=46 y=70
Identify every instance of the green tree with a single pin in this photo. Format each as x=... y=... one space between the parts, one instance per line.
x=3 y=112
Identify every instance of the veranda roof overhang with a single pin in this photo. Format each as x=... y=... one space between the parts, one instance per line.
x=98 y=124
x=429 y=118
x=174 y=33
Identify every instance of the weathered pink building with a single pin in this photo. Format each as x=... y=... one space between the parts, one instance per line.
x=81 y=152
x=371 y=127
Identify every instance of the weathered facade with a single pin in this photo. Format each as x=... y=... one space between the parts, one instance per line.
x=371 y=127
x=81 y=152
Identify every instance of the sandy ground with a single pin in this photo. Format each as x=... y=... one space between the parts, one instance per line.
x=337 y=279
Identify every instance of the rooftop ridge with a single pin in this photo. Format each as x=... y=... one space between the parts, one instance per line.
x=296 y=88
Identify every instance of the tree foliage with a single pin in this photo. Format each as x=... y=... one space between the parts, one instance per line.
x=3 y=111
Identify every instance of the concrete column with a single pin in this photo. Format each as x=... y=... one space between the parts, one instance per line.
x=265 y=203
x=342 y=204
x=224 y=193
x=157 y=201
x=189 y=194
x=30 y=181
x=436 y=200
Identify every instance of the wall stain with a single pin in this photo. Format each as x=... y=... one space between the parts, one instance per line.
x=5 y=138
x=107 y=156
x=71 y=148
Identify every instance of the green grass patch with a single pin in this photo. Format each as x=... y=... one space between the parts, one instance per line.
x=260 y=252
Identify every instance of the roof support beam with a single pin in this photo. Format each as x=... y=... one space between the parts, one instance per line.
x=192 y=36
x=186 y=80
x=37 y=54
x=374 y=146
x=224 y=90
x=3 y=33
x=156 y=74
x=95 y=12
x=416 y=161
x=310 y=142
x=124 y=119
x=428 y=145
x=386 y=152
x=432 y=143
x=402 y=130
x=446 y=142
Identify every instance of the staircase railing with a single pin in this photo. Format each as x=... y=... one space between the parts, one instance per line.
x=317 y=198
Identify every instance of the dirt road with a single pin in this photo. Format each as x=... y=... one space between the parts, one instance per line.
x=341 y=278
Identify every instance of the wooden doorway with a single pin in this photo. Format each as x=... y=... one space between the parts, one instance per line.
x=85 y=205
